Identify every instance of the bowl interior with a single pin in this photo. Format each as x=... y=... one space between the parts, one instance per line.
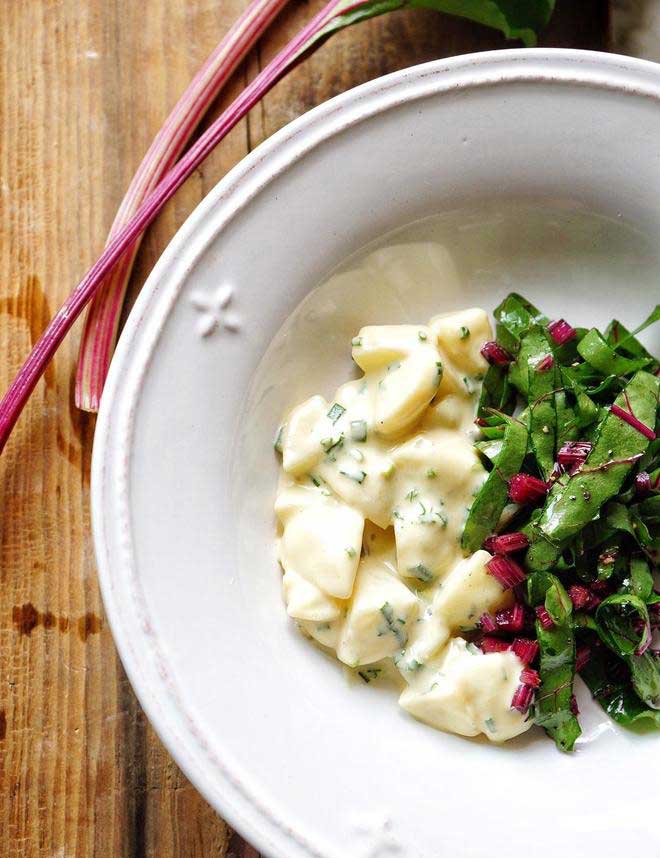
x=486 y=196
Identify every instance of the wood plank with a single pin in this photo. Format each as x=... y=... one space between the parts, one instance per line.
x=83 y=88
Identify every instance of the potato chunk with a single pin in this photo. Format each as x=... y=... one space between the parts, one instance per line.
x=380 y=615
x=470 y=693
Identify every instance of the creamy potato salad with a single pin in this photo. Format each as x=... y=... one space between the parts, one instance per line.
x=373 y=495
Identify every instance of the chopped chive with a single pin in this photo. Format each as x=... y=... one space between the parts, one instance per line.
x=422 y=335
x=350 y=552
x=356 y=341
x=388 y=613
x=421 y=572
x=358 y=430
x=389 y=470
x=331 y=443
x=369 y=673
x=279 y=437
x=465 y=332
x=336 y=412
x=356 y=475
x=431 y=473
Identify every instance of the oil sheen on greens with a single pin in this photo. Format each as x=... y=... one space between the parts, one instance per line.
x=597 y=532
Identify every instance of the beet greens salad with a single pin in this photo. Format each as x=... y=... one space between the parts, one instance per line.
x=568 y=421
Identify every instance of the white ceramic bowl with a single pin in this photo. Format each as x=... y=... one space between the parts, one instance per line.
x=302 y=762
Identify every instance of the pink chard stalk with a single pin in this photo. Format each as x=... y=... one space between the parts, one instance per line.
x=102 y=323
x=159 y=177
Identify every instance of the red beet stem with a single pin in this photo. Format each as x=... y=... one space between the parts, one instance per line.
x=582 y=657
x=511 y=619
x=561 y=332
x=574 y=453
x=643 y=486
x=42 y=352
x=525 y=489
x=603 y=588
x=526 y=649
x=490 y=644
x=545 y=363
x=647 y=638
x=581 y=597
x=633 y=421
x=495 y=354
x=487 y=622
x=506 y=571
x=575 y=710
x=529 y=676
x=507 y=543
x=522 y=699
x=544 y=617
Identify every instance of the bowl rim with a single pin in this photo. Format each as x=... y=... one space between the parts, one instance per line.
x=123 y=600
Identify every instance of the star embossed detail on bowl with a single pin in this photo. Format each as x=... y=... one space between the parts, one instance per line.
x=213 y=311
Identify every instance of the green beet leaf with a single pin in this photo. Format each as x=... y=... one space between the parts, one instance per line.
x=575 y=501
x=645 y=672
x=542 y=414
x=513 y=317
x=623 y=622
x=616 y=695
x=491 y=499
x=496 y=392
x=596 y=351
x=515 y=19
x=552 y=709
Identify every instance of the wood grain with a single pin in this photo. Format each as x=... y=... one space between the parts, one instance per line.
x=84 y=85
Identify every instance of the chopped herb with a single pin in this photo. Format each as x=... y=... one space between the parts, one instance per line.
x=351 y=552
x=431 y=473
x=279 y=439
x=332 y=443
x=422 y=335
x=393 y=625
x=358 y=430
x=389 y=470
x=422 y=573
x=369 y=673
x=465 y=332
x=336 y=412
x=490 y=725
x=356 y=454
x=356 y=475
x=412 y=494
x=323 y=627
x=356 y=342
x=315 y=480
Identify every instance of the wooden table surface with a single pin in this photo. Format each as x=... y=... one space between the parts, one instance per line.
x=84 y=86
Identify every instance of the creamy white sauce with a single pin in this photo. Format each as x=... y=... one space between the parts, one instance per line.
x=374 y=491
